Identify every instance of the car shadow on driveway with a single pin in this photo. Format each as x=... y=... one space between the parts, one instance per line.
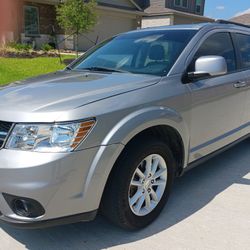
x=191 y=193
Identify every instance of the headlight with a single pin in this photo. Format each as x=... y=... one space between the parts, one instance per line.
x=63 y=137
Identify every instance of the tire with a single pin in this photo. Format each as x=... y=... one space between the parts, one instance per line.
x=119 y=195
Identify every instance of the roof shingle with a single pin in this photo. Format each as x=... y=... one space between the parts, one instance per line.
x=244 y=19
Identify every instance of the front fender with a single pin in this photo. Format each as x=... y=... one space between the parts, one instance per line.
x=119 y=136
x=142 y=119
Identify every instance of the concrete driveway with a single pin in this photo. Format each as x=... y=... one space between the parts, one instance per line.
x=209 y=209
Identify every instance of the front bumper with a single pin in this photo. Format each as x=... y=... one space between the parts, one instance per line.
x=88 y=216
x=65 y=184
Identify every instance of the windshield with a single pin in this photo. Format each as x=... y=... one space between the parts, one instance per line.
x=145 y=52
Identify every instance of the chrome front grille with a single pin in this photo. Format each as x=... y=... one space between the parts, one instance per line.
x=4 y=131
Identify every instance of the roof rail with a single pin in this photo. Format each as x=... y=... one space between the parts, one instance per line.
x=230 y=22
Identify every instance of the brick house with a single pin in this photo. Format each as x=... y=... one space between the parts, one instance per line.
x=25 y=20
x=32 y=20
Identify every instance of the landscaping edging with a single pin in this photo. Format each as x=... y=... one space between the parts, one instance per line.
x=26 y=54
x=9 y=53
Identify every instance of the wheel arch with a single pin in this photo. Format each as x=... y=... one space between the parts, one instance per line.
x=168 y=135
x=156 y=121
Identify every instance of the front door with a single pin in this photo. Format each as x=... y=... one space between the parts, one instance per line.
x=243 y=42
x=217 y=102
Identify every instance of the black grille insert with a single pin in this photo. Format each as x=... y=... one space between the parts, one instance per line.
x=4 y=130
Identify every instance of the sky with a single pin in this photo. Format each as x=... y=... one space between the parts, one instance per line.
x=226 y=9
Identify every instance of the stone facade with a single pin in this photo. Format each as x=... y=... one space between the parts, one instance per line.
x=156 y=21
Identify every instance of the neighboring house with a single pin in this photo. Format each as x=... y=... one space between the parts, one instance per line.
x=32 y=20
x=170 y=12
x=27 y=20
x=244 y=19
x=115 y=16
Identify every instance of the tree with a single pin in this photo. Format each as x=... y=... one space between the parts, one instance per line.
x=77 y=16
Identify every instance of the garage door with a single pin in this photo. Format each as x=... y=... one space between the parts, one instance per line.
x=109 y=24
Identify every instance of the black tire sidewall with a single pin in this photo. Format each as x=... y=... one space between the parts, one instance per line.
x=127 y=165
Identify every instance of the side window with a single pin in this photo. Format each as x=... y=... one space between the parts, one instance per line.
x=244 y=47
x=219 y=44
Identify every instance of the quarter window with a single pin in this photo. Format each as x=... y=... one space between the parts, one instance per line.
x=219 y=44
x=31 y=20
x=244 y=47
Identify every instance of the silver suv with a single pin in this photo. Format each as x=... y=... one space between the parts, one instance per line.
x=112 y=131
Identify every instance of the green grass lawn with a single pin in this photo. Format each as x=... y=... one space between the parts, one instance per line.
x=14 y=69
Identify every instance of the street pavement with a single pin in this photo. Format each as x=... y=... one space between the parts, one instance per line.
x=209 y=209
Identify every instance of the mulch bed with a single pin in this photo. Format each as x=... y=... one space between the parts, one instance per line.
x=9 y=53
x=25 y=54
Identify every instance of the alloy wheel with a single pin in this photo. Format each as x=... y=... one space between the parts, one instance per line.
x=147 y=185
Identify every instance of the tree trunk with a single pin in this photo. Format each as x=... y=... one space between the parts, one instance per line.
x=76 y=43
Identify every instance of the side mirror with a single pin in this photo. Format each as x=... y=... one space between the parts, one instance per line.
x=206 y=66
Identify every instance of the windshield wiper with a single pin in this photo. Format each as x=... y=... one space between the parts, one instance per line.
x=103 y=69
x=68 y=68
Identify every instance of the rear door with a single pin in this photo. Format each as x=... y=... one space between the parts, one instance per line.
x=243 y=44
x=217 y=102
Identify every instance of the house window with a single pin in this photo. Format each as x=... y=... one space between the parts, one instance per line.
x=198 y=4
x=181 y=3
x=31 y=20
x=177 y=2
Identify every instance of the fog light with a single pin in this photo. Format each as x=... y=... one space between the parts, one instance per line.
x=24 y=207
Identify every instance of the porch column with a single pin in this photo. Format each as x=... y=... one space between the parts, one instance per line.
x=11 y=20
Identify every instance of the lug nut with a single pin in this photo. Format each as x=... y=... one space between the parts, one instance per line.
x=149 y=190
x=152 y=181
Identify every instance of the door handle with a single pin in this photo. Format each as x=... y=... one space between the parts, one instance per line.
x=240 y=84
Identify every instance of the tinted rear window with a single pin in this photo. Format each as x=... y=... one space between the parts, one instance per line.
x=244 y=47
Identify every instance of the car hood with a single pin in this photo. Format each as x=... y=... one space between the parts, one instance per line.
x=62 y=91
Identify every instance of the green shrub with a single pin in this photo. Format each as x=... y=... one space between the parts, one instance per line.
x=20 y=46
x=46 y=47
